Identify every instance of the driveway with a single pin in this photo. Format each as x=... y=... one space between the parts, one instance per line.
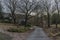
x=38 y=34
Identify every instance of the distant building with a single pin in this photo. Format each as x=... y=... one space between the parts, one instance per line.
x=19 y=17
x=6 y=15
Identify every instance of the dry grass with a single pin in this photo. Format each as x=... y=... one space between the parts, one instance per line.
x=5 y=37
x=16 y=36
x=53 y=32
x=6 y=25
x=53 y=26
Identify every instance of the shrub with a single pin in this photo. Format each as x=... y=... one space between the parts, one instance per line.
x=28 y=25
x=18 y=29
x=12 y=30
x=6 y=20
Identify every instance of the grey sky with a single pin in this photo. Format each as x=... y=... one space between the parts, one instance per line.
x=5 y=8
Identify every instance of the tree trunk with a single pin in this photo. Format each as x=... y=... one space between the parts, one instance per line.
x=58 y=14
x=41 y=20
x=37 y=20
x=26 y=20
x=56 y=25
x=13 y=18
x=48 y=19
x=56 y=21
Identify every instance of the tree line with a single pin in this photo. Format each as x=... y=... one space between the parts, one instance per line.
x=40 y=7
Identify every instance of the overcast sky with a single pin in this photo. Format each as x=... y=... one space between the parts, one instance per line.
x=52 y=2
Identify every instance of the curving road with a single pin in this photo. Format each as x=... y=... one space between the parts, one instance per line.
x=38 y=34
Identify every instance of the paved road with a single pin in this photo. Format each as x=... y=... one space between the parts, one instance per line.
x=38 y=34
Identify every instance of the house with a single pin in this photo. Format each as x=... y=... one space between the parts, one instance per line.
x=6 y=17
x=19 y=17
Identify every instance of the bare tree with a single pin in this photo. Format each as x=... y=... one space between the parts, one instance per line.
x=57 y=8
x=39 y=14
x=1 y=10
x=46 y=7
x=11 y=5
x=27 y=6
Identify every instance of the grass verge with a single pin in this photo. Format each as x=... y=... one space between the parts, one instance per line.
x=5 y=37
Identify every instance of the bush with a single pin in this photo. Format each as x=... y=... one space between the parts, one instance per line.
x=6 y=20
x=28 y=25
x=12 y=30
x=21 y=30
